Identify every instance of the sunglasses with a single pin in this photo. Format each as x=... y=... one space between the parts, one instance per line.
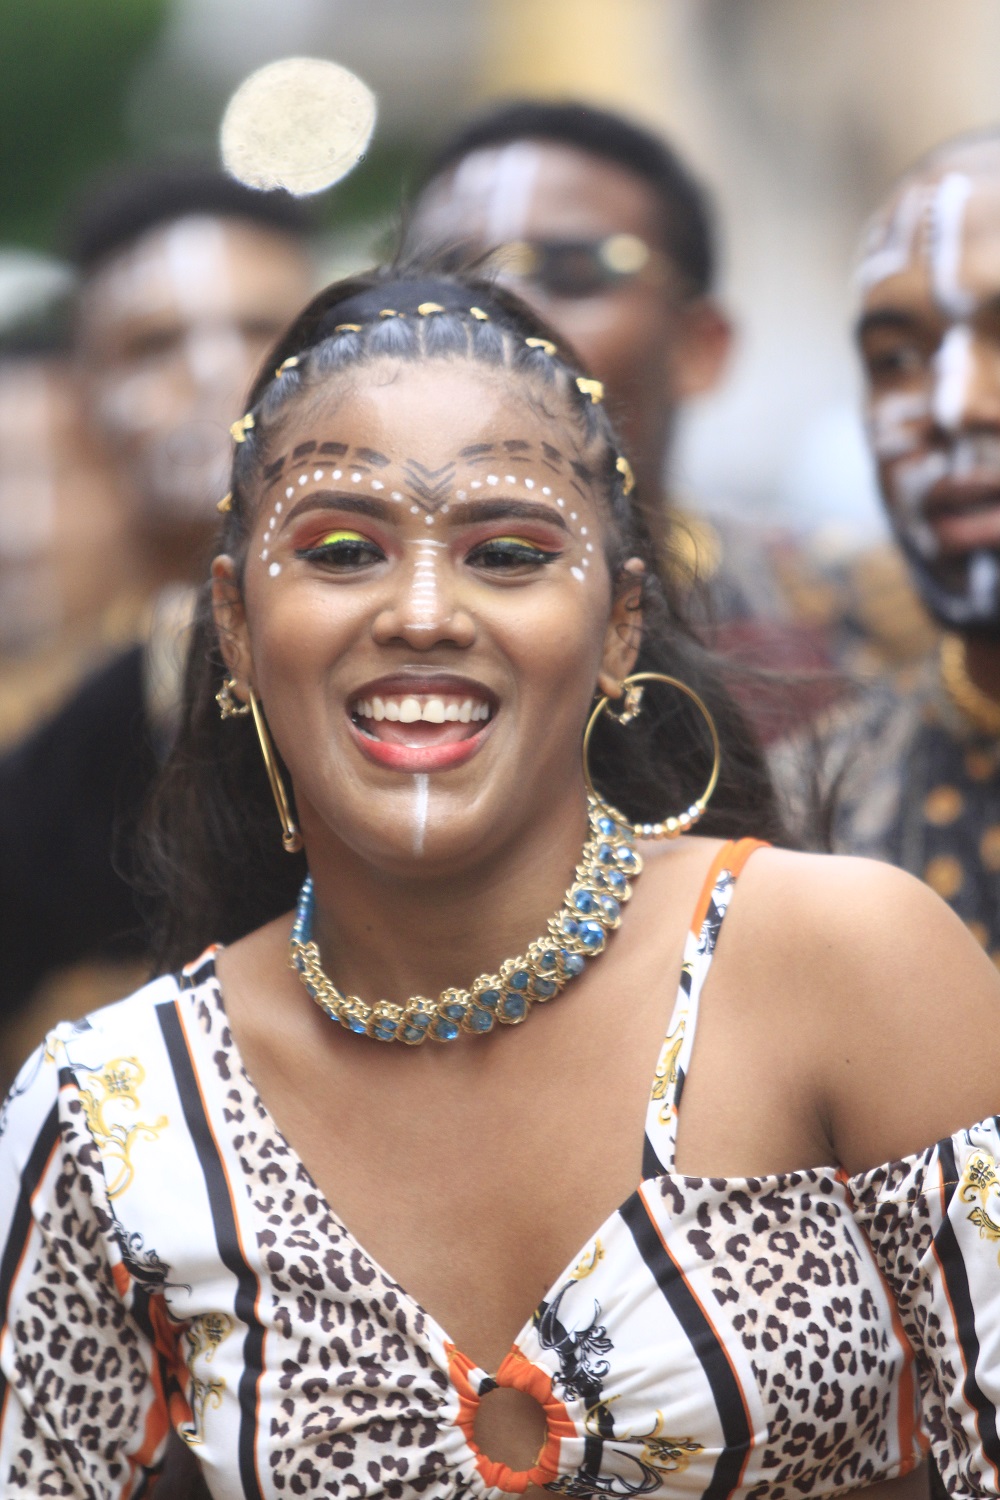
x=572 y=268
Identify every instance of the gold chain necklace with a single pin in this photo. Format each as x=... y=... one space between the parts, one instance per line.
x=578 y=931
x=982 y=711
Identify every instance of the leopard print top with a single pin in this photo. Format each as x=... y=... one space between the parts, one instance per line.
x=167 y=1261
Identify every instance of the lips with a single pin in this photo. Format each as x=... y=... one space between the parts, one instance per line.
x=421 y=723
x=964 y=517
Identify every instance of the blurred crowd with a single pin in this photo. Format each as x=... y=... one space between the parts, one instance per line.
x=875 y=682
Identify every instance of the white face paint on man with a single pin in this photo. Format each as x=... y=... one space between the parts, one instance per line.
x=171 y=331
x=929 y=334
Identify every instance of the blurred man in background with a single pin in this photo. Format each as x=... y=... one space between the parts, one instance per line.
x=918 y=767
x=600 y=226
x=187 y=277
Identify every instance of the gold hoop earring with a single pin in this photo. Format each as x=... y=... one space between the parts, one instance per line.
x=230 y=707
x=631 y=692
x=291 y=838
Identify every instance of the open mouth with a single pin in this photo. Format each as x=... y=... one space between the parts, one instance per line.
x=964 y=517
x=421 y=730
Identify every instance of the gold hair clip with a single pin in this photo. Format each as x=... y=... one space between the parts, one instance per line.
x=625 y=470
x=287 y=364
x=348 y=328
x=546 y=345
x=592 y=388
x=429 y=307
x=225 y=504
x=477 y=312
x=389 y=312
x=239 y=430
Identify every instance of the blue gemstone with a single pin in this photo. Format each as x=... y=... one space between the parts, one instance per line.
x=543 y=988
x=569 y=926
x=421 y=1020
x=626 y=858
x=514 y=1007
x=547 y=960
x=573 y=964
x=385 y=1030
x=592 y=936
x=610 y=908
x=354 y=1023
x=585 y=901
x=606 y=854
x=519 y=979
x=480 y=1020
x=616 y=880
x=489 y=998
x=445 y=1031
x=413 y=1033
x=455 y=1011
x=607 y=826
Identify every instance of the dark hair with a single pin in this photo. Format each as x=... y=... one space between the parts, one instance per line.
x=128 y=202
x=213 y=838
x=686 y=216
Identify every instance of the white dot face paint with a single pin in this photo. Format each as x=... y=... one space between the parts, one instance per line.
x=355 y=478
x=278 y=505
x=510 y=479
x=889 y=242
x=337 y=474
x=578 y=573
x=318 y=474
x=910 y=486
x=529 y=484
x=274 y=569
x=377 y=484
x=952 y=370
x=303 y=478
x=492 y=479
x=289 y=492
x=546 y=490
x=421 y=800
x=396 y=495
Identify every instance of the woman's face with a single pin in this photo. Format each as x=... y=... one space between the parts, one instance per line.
x=426 y=611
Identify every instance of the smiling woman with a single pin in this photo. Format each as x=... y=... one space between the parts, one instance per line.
x=428 y=572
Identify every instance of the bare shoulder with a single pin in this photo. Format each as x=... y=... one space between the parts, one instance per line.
x=896 y=1005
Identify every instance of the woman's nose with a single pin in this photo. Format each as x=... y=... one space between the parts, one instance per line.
x=425 y=609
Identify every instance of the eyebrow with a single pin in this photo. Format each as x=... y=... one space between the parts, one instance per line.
x=384 y=510
x=891 y=319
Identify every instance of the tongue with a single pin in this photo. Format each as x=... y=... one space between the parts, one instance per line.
x=419 y=734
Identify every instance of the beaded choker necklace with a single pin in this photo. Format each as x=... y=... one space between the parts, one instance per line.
x=578 y=931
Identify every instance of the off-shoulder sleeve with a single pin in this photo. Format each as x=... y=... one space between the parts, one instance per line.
x=933 y=1221
x=81 y=1410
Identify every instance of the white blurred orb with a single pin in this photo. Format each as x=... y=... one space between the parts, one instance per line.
x=300 y=124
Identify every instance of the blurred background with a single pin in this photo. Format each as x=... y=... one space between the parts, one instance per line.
x=796 y=115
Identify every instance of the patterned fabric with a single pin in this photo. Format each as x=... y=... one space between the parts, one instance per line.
x=167 y=1261
x=916 y=786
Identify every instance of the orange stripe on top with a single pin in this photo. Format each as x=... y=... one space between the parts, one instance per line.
x=732 y=857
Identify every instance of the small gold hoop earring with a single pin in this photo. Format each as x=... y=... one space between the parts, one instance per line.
x=631 y=693
x=230 y=707
x=291 y=838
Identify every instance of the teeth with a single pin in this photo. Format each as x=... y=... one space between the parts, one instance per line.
x=410 y=709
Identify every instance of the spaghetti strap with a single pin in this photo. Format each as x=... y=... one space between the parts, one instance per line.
x=675 y=1053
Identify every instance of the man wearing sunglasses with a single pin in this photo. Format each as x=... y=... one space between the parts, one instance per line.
x=603 y=230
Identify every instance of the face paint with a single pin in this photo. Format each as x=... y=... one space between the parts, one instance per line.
x=425 y=598
x=498 y=187
x=892 y=423
x=945 y=244
x=888 y=244
x=421 y=785
x=952 y=369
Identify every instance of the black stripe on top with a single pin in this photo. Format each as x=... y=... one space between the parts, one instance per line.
x=226 y=1238
x=956 y=1280
x=722 y=1382
x=20 y=1223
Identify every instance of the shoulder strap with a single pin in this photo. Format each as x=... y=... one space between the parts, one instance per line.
x=675 y=1053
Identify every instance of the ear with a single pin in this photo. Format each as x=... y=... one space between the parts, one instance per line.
x=700 y=350
x=624 y=633
x=230 y=623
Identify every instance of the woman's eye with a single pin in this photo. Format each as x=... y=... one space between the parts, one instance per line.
x=342 y=549
x=507 y=553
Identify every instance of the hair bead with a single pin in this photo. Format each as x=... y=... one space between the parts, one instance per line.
x=479 y=315
x=389 y=312
x=625 y=470
x=546 y=345
x=592 y=388
x=429 y=307
x=225 y=504
x=238 y=431
x=286 y=364
x=348 y=328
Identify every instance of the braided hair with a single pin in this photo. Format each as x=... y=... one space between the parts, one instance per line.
x=216 y=865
